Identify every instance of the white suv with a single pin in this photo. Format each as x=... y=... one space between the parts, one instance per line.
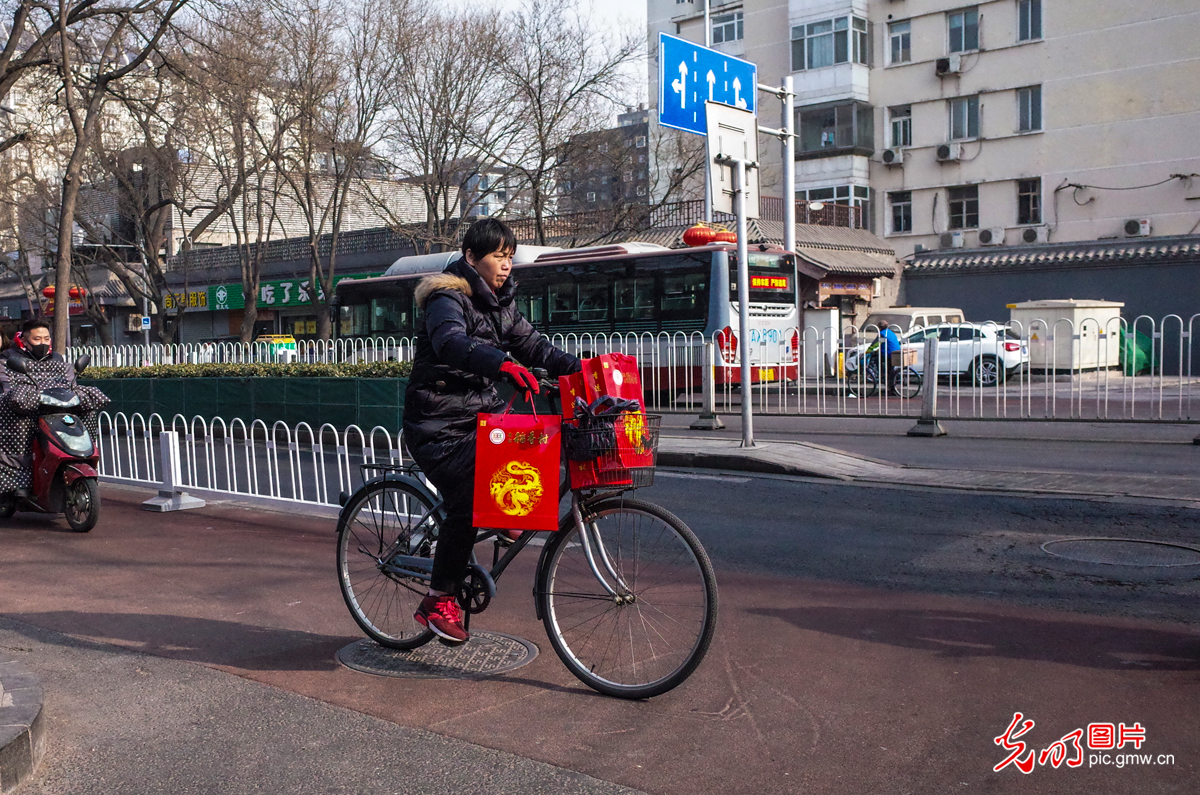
x=986 y=354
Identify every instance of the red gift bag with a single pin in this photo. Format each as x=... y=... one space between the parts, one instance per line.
x=517 y=458
x=571 y=387
x=634 y=445
x=614 y=374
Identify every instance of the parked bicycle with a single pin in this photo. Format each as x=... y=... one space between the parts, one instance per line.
x=624 y=589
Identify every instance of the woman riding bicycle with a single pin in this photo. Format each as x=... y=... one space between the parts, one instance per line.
x=470 y=336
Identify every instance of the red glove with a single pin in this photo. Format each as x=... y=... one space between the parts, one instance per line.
x=522 y=378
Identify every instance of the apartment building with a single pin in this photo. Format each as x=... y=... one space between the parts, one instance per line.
x=998 y=123
x=607 y=169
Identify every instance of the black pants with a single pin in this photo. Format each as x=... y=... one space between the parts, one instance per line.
x=454 y=477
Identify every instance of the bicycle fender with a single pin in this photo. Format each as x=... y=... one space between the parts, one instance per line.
x=393 y=477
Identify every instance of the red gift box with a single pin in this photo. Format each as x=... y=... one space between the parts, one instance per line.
x=571 y=387
x=517 y=458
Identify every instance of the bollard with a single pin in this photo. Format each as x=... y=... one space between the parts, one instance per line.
x=170 y=497
x=928 y=425
x=708 y=420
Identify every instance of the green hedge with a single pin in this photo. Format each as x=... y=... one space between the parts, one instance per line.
x=255 y=370
x=365 y=402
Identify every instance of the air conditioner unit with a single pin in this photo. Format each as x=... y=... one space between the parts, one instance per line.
x=892 y=157
x=951 y=240
x=1035 y=234
x=1137 y=227
x=950 y=65
x=949 y=153
x=992 y=237
x=133 y=323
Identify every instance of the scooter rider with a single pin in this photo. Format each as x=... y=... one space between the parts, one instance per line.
x=19 y=402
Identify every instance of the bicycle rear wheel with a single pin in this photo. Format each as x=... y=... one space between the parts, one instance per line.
x=908 y=383
x=386 y=519
x=651 y=635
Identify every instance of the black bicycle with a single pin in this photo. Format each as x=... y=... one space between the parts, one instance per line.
x=624 y=589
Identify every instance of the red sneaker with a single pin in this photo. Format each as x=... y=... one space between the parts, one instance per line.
x=508 y=536
x=443 y=615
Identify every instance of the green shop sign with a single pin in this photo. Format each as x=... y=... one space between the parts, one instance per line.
x=271 y=295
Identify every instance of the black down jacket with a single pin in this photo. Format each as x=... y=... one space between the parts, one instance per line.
x=465 y=334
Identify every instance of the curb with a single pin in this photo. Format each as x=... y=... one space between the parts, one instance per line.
x=22 y=726
x=740 y=463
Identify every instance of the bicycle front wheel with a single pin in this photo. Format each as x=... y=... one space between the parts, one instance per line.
x=386 y=519
x=650 y=634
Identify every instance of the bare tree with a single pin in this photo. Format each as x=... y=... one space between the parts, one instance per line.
x=446 y=80
x=336 y=72
x=89 y=58
x=562 y=78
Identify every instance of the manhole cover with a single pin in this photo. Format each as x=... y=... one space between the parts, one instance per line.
x=485 y=654
x=1123 y=552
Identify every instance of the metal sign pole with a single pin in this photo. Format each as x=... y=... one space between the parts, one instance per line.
x=743 y=255
x=789 y=167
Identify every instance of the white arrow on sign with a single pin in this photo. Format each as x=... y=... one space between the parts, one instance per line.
x=680 y=85
x=712 y=82
x=738 y=99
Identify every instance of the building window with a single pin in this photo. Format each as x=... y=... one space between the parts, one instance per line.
x=591 y=196
x=829 y=42
x=1029 y=108
x=964 y=118
x=727 y=27
x=964 y=30
x=964 y=207
x=1029 y=201
x=1029 y=20
x=848 y=125
x=639 y=142
x=627 y=176
x=641 y=191
x=901 y=118
x=901 y=202
x=900 y=34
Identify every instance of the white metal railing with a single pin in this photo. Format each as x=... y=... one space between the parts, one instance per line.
x=294 y=464
x=1059 y=369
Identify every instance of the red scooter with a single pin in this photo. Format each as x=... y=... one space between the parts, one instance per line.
x=65 y=459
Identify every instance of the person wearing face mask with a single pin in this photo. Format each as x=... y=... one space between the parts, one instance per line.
x=470 y=335
x=19 y=401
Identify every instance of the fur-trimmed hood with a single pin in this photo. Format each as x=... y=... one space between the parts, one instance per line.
x=440 y=281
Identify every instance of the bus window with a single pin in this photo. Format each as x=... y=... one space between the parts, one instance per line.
x=531 y=302
x=564 y=303
x=634 y=299
x=593 y=301
x=684 y=295
x=394 y=314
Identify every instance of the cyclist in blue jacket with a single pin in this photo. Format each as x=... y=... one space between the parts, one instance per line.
x=889 y=343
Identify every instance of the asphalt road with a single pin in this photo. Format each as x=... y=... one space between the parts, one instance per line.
x=871 y=640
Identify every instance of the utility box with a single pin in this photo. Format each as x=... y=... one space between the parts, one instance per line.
x=821 y=336
x=1070 y=334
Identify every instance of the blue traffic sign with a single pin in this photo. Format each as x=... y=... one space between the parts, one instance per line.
x=690 y=74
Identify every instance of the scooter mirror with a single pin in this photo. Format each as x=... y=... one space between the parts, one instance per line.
x=18 y=363
x=82 y=363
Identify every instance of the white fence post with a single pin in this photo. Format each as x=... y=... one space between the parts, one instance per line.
x=170 y=496
x=708 y=419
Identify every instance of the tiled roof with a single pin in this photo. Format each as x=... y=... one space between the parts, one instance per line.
x=1098 y=253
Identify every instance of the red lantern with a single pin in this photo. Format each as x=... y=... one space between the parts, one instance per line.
x=75 y=293
x=725 y=236
x=699 y=235
x=48 y=292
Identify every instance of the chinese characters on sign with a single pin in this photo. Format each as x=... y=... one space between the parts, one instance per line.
x=192 y=300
